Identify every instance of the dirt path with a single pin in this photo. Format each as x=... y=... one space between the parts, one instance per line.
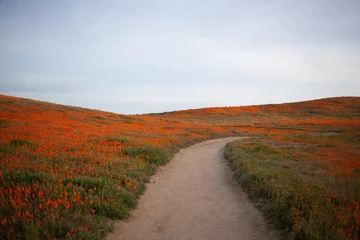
x=194 y=197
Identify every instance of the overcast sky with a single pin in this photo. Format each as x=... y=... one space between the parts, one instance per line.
x=160 y=55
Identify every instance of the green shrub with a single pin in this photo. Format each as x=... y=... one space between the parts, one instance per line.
x=28 y=177
x=150 y=154
x=86 y=182
x=117 y=139
x=20 y=143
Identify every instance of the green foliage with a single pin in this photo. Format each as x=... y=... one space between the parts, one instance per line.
x=86 y=182
x=111 y=211
x=82 y=171
x=20 y=143
x=3 y=122
x=28 y=177
x=290 y=198
x=100 y=118
x=264 y=149
x=126 y=119
x=61 y=228
x=117 y=139
x=150 y=154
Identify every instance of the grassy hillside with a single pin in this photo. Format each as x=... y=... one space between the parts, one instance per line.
x=65 y=171
x=306 y=183
x=325 y=114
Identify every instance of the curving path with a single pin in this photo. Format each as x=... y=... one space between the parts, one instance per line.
x=194 y=197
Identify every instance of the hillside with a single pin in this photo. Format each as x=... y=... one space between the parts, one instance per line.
x=66 y=170
x=339 y=107
x=323 y=114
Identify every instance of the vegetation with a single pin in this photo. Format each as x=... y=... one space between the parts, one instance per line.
x=65 y=171
x=306 y=184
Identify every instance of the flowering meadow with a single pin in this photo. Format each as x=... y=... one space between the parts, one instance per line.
x=307 y=184
x=66 y=171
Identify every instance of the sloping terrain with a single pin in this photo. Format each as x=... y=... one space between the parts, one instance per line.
x=66 y=170
x=322 y=114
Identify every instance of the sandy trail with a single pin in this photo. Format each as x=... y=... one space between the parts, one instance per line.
x=194 y=197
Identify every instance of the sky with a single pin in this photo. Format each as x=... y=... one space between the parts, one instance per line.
x=161 y=55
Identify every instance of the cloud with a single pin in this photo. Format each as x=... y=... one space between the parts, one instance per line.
x=179 y=53
x=304 y=63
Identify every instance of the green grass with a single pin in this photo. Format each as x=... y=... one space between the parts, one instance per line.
x=151 y=154
x=109 y=195
x=20 y=143
x=3 y=122
x=117 y=139
x=16 y=146
x=64 y=177
x=28 y=177
x=290 y=192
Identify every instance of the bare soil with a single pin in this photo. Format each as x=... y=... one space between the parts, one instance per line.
x=195 y=196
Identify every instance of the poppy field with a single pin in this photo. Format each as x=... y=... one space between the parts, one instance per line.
x=66 y=171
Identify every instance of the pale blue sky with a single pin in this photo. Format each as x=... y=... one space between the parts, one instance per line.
x=155 y=56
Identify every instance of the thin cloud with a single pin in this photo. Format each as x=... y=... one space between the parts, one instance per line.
x=169 y=54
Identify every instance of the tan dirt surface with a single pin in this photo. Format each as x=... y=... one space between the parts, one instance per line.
x=194 y=197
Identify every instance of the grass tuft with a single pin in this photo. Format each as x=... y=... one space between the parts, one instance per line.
x=116 y=140
x=20 y=143
x=28 y=177
x=150 y=154
x=86 y=182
